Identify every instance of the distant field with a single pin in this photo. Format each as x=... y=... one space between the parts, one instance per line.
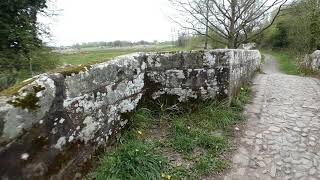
x=92 y=55
x=84 y=56
x=87 y=57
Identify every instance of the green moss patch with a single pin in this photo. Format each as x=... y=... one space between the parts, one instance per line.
x=70 y=70
x=30 y=101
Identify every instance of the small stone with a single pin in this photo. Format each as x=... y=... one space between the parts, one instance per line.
x=259 y=158
x=312 y=171
x=258 y=141
x=296 y=162
x=311 y=143
x=241 y=171
x=250 y=133
x=60 y=143
x=274 y=129
x=71 y=138
x=297 y=129
x=265 y=171
x=300 y=124
x=61 y=121
x=273 y=170
x=25 y=156
x=266 y=132
x=41 y=122
x=261 y=164
x=305 y=130
x=287 y=171
x=259 y=136
x=299 y=174
x=237 y=129
x=243 y=150
x=312 y=138
x=241 y=159
x=304 y=134
x=257 y=175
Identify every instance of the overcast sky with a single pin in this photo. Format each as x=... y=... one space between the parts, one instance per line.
x=108 y=20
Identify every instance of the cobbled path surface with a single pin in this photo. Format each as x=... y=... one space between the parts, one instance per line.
x=282 y=136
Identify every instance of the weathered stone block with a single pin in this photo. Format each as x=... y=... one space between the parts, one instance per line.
x=312 y=61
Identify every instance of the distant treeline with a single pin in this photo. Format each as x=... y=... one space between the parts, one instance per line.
x=116 y=43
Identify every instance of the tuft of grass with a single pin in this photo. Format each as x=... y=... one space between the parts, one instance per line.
x=207 y=164
x=133 y=160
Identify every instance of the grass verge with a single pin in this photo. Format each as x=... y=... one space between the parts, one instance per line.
x=185 y=144
x=287 y=62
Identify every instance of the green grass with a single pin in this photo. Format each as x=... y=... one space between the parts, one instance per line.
x=287 y=62
x=200 y=136
x=133 y=160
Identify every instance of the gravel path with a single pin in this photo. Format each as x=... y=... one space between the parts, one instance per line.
x=282 y=137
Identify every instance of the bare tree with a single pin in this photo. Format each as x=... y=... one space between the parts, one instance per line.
x=233 y=21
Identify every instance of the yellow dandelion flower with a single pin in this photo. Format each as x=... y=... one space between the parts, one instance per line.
x=163 y=175
x=168 y=177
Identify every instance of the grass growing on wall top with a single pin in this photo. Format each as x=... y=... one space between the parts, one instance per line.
x=162 y=144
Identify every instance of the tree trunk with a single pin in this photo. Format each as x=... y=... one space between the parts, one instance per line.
x=232 y=33
x=207 y=25
x=30 y=67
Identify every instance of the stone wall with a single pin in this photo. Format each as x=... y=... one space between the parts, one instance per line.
x=312 y=61
x=51 y=126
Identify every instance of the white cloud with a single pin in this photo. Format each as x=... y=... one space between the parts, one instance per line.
x=108 y=20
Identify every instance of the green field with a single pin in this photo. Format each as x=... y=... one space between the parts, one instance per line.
x=85 y=56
